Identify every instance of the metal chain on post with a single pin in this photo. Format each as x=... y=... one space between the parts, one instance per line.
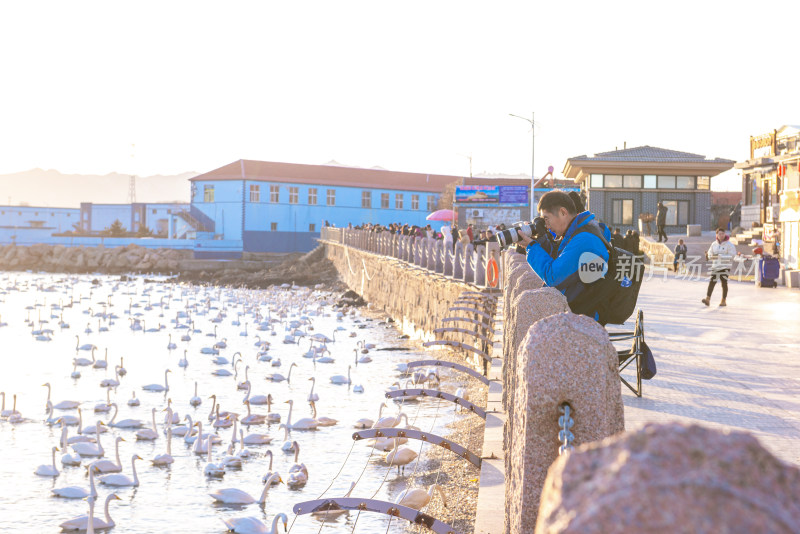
x=565 y=423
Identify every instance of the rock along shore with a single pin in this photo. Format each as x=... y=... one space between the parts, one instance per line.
x=301 y=269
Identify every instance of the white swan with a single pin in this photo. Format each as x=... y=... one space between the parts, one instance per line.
x=306 y=423
x=321 y=421
x=91 y=449
x=158 y=387
x=148 y=434
x=133 y=401
x=390 y=422
x=183 y=362
x=272 y=417
x=298 y=473
x=400 y=457
x=341 y=379
x=237 y=496
x=67 y=458
x=311 y=395
x=270 y=472
x=104 y=407
x=277 y=377
x=195 y=400
x=107 y=466
x=63 y=405
x=255 y=399
x=125 y=423
x=77 y=492
x=253 y=419
x=45 y=470
x=111 y=382
x=101 y=364
x=252 y=525
x=166 y=458
x=418 y=498
x=366 y=422
x=81 y=522
x=118 y=479
x=211 y=469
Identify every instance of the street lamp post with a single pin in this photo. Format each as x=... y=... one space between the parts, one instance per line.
x=533 y=153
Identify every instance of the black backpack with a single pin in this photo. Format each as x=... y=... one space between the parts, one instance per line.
x=614 y=296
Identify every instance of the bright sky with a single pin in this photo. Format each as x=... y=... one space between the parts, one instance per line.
x=414 y=86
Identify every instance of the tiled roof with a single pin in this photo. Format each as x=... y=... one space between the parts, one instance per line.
x=649 y=154
x=270 y=171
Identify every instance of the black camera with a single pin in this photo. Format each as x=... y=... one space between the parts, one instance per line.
x=512 y=235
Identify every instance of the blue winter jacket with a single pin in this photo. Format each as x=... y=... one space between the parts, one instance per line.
x=561 y=269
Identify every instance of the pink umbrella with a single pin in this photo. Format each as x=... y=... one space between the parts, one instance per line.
x=441 y=215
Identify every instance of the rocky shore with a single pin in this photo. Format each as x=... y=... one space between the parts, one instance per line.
x=301 y=269
x=118 y=260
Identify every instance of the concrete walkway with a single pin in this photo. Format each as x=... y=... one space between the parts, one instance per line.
x=736 y=367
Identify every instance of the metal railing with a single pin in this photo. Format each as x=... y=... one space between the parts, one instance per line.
x=478 y=265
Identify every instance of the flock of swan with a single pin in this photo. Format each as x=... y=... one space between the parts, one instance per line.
x=277 y=317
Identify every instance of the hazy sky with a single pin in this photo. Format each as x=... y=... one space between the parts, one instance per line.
x=413 y=86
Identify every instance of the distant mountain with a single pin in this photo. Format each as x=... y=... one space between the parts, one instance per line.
x=50 y=188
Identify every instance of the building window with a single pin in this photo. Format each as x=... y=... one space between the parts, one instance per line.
x=666 y=182
x=622 y=211
x=431 y=202
x=613 y=180
x=154 y=211
x=294 y=193
x=312 y=227
x=331 y=199
x=650 y=181
x=366 y=199
x=684 y=182
x=208 y=193
x=633 y=182
x=273 y=226
x=312 y=196
x=703 y=182
x=274 y=194
x=414 y=202
x=677 y=212
x=385 y=201
x=255 y=193
x=398 y=201
x=597 y=181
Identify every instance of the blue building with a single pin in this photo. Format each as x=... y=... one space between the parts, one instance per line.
x=156 y=217
x=280 y=207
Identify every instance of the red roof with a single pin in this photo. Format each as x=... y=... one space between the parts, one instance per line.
x=270 y=171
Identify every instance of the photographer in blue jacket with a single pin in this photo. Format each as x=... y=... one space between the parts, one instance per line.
x=559 y=261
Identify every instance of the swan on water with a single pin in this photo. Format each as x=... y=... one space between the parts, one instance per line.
x=277 y=377
x=237 y=496
x=46 y=470
x=269 y=472
x=366 y=422
x=252 y=525
x=400 y=456
x=107 y=466
x=81 y=523
x=125 y=423
x=158 y=387
x=341 y=379
x=211 y=469
x=321 y=421
x=148 y=434
x=133 y=401
x=77 y=492
x=306 y=423
x=298 y=473
x=195 y=400
x=63 y=405
x=311 y=395
x=118 y=479
x=91 y=449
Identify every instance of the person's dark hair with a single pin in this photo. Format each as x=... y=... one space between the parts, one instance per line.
x=720 y=229
x=578 y=201
x=553 y=200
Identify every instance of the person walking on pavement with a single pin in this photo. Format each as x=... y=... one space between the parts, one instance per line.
x=721 y=252
x=680 y=254
x=616 y=239
x=661 y=221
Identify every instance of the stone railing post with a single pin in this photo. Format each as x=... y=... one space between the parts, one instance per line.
x=480 y=266
x=449 y=263
x=438 y=253
x=564 y=358
x=458 y=263
x=430 y=245
x=469 y=264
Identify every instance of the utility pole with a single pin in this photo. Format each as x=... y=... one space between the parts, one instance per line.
x=533 y=154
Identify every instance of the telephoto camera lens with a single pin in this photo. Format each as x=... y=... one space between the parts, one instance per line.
x=512 y=235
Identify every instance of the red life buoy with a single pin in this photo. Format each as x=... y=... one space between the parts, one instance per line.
x=492 y=273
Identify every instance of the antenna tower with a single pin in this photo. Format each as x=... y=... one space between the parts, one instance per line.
x=132 y=189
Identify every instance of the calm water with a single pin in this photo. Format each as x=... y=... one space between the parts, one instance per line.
x=175 y=499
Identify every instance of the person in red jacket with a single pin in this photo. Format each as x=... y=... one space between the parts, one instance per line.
x=470 y=233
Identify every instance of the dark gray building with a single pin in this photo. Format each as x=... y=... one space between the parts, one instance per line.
x=623 y=184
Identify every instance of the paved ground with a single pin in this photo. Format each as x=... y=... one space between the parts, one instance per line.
x=736 y=367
